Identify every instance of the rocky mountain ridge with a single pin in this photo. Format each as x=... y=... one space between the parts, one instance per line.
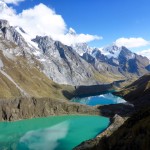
x=57 y=61
x=78 y=64
x=119 y=60
x=66 y=65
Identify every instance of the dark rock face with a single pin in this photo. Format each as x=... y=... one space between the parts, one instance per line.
x=25 y=108
x=44 y=43
x=88 y=58
x=99 y=56
x=4 y=24
x=9 y=33
x=133 y=63
x=68 y=67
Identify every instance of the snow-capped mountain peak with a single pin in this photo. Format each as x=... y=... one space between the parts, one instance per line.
x=82 y=48
x=71 y=31
x=4 y=9
x=26 y=37
x=111 y=51
x=3 y=5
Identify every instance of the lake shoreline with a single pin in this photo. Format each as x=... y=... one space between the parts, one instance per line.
x=28 y=108
x=48 y=131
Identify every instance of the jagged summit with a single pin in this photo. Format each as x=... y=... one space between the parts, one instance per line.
x=111 y=51
x=3 y=5
x=76 y=64
x=71 y=31
x=5 y=9
x=4 y=24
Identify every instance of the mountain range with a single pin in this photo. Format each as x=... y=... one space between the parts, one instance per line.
x=78 y=64
x=39 y=75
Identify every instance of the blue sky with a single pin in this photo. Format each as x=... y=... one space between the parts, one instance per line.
x=111 y=19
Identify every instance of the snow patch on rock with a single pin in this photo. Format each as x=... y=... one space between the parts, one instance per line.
x=1 y=64
x=27 y=38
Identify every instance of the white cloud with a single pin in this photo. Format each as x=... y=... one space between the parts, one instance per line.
x=77 y=38
x=12 y=1
x=131 y=42
x=145 y=53
x=42 y=20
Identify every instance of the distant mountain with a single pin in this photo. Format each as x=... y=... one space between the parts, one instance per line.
x=77 y=64
x=80 y=48
x=118 y=60
x=57 y=61
x=63 y=64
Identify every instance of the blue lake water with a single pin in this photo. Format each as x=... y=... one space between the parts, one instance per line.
x=51 y=133
x=103 y=99
x=57 y=132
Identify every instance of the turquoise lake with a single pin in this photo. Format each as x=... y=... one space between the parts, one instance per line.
x=51 y=133
x=102 y=99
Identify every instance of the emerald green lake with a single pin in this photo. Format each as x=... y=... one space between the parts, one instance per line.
x=51 y=133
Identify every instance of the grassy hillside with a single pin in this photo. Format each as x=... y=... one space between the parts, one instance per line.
x=138 y=92
x=29 y=78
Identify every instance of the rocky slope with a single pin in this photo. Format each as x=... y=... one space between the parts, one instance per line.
x=64 y=65
x=118 y=60
x=134 y=133
x=137 y=89
x=20 y=76
x=57 y=61
x=24 y=108
x=112 y=60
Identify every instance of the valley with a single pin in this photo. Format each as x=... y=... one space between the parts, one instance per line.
x=58 y=96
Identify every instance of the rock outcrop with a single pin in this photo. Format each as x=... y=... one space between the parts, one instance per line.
x=24 y=108
x=9 y=33
x=63 y=65
x=137 y=93
x=116 y=122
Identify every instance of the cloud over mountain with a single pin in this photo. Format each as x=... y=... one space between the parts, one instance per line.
x=12 y=1
x=132 y=42
x=145 y=53
x=42 y=20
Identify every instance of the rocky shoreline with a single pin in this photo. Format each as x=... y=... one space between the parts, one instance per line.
x=25 y=108
x=31 y=107
x=115 y=123
x=118 y=114
x=131 y=122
